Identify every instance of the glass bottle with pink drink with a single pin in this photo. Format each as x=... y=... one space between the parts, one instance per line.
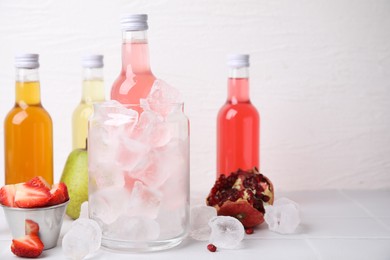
x=136 y=78
x=238 y=122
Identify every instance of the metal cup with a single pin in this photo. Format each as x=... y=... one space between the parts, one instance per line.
x=49 y=220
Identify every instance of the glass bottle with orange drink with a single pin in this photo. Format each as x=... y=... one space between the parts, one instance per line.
x=28 y=131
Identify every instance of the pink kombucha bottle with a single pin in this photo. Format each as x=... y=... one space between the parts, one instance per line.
x=238 y=122
x=136 y=79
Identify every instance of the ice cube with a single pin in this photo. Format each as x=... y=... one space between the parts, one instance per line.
x=104 y=174
x=162 y=92
x=200 y=217
x=151 y=130
x=114 y=118
x=74 y=246
x=150 y=171
x=121 y=119
x=107 y=204
x=174 y=160
x=143 y=202
x=226 y=232
x=134 y=228
x=103 y=147
x=130 y=153
x=146 y=123
x=91 y=231
x=101 y=110
x=283 y=217
x=161 y=98
x=84 y=210
x=177 y=123
x=102 y=144
x=173 y=223
x=83 y=238
x=160 y=135
x=106 y=109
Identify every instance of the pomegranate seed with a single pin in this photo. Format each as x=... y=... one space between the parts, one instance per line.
x=211 y=248
x=249 y=231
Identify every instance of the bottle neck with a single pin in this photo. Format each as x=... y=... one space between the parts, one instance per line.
x=27 y=87
x=93 y=85
x=135 y=53
x=238 y=85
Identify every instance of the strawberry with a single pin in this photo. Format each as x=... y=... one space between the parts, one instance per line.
x=38 y=181
x=59 y=194
x=28 y=246
x=7 y=195
x=27 y=196
x=31 y=227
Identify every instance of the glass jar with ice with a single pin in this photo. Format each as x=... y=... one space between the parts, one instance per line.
x=138 y=163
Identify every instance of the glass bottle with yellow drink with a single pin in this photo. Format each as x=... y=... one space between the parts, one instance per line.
x=92 y=92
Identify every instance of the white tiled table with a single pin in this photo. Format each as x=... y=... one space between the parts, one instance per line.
x=335 y=225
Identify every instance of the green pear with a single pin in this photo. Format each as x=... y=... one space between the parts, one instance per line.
x=75 y=176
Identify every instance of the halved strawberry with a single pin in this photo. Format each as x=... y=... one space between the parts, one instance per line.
x=7 y=195
x=38 y=181
x=28 y=246
x=27 y=196
x=59 y=194
x=31 y=227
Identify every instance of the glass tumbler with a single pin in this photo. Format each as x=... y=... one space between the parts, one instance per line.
x=138 y=164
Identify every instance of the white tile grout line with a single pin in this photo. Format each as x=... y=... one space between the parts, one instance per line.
x=313 y=249
x=357 y=203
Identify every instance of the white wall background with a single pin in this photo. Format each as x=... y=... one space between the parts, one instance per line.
x=320 y=76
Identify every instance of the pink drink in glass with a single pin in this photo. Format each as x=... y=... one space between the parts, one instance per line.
x=237 y=127
x=136 y=79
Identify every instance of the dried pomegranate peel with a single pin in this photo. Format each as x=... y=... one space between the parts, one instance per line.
x=242 y=195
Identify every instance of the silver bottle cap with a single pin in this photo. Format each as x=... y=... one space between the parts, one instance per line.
x=27 y=61
x=134 y=22
x=238 y=60
x=92 y=61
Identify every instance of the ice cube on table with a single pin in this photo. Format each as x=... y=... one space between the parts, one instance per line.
x=83 y=238
x=84 y=210
x=74 y=246
x=143 y=202
x=133 y=228
x=226 y=232
x=199 y=219
x=106 y=205
x=283 y=216
x=91 y=230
